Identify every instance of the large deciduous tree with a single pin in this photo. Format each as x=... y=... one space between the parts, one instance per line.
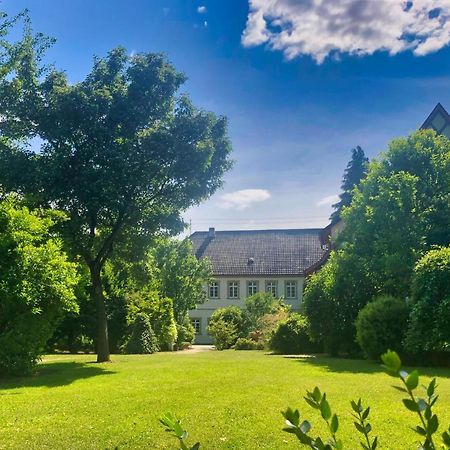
x=122 y=154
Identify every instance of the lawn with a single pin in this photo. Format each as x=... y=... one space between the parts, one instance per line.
x=228 y=400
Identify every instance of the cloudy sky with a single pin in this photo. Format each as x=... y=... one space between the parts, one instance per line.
x=301 y=81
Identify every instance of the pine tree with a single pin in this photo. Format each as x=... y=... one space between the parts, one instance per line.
x=353 y=175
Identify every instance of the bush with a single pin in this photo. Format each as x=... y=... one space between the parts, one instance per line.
x=381 y=325
x=429 y=328
x=226 y=325
x=223 y=333
x=256 y=307
x=142 y=339
x=290 y=336
x=36 y=286
x=185 y=333
x=248 y=344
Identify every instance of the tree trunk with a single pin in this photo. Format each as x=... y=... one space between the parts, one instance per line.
x=102 y=322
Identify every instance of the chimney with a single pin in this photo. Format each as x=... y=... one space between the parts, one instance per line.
x=212 y=232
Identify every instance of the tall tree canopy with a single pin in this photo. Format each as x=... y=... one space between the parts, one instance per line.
x=353 y=175
x=122 y=153
x=401 y=210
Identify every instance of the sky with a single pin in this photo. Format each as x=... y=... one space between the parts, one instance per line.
x=301 y=82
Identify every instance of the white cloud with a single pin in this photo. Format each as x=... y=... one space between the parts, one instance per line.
x=328 y=201
x=205 y=23
x=243 y=199
x=202 y=10
x=321 y=28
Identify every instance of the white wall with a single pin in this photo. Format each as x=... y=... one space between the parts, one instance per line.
x=205 y=310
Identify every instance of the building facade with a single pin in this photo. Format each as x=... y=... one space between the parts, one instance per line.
x=247 y=262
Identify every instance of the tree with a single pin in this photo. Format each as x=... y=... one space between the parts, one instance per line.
x=353 y=175
x=429 y=328
x=179 y=274
x=401 y=210
x=122 y=155
x=36 y=285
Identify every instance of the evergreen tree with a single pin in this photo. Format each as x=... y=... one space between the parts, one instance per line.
x=355 y=172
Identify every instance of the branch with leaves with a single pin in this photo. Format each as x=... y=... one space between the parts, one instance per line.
x=173 y=426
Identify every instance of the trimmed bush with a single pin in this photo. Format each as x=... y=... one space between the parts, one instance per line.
x=224 y=333
x=185 y=333
x=381 y=325
x=429 y=327
x=290 y=336
x=142 y=339
x=248 y=344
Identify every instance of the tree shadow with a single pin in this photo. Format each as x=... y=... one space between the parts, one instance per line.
x=348 y=365
x=55 y=374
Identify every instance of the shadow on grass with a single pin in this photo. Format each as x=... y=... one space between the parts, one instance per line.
x=347 y=365
x=55 y=374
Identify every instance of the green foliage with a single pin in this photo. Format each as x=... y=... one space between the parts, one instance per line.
x=160 y=312
x=401 y=209
x=142 y=339
x=179 y=274
x=225 y=326
x=382 y=324
x=136 y=153
x=256 y=307
x=291 y=336
x=185 y=332
x=248 y=344
x=173 y=425
x=36 y=285
x=429 y=328
x=423 y=407
x=223 y=333
x=355 y=172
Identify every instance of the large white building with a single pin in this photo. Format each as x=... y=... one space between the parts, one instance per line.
x=246 y=262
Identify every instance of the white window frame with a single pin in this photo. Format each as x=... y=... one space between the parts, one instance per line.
x=214 y=286
x=254 y=285
x=290 y=284
x=197 y=320
x=234 y=285
x=272 y=287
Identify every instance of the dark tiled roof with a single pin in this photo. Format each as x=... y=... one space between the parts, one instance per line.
x=261 y=252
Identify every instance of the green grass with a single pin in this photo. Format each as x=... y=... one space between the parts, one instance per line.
x=228 y=400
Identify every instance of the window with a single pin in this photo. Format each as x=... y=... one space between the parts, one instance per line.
x=197 y=324
x=233 y=289
x=252 y=287
x=271 y=288
x=214 y=290
x=291 y=289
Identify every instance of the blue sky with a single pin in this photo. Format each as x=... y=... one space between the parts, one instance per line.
x=301 y=82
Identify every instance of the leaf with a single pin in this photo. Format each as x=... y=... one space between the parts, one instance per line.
x=366 y=413
x=446 y=438
x=317 y=395
x=325 y=409
x=401 y=389
x=410 y=404
x=412 y=381
x=431 y=387
x=196 y=446
x=292 y=417
x=334 y=424
x=375 y=443
x=305 y=427
x=311 y=403
x=392 y=362
x=368 y=428
x=359 y=427
x=422 y=404
x=420 y=431
x=433 y=424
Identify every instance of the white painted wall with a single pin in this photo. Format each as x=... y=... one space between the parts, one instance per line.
x=204 y=311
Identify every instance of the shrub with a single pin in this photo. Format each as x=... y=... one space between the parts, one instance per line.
x=256 y=307
x=223 y=333
x=36 y=285
x=226 y=325
x=185 y=333
x=290 y=336
x=380 y=325
x=142 y=339
x=248 y=344
x=429 y=328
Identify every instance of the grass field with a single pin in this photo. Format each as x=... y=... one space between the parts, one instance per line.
x=228 y=400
